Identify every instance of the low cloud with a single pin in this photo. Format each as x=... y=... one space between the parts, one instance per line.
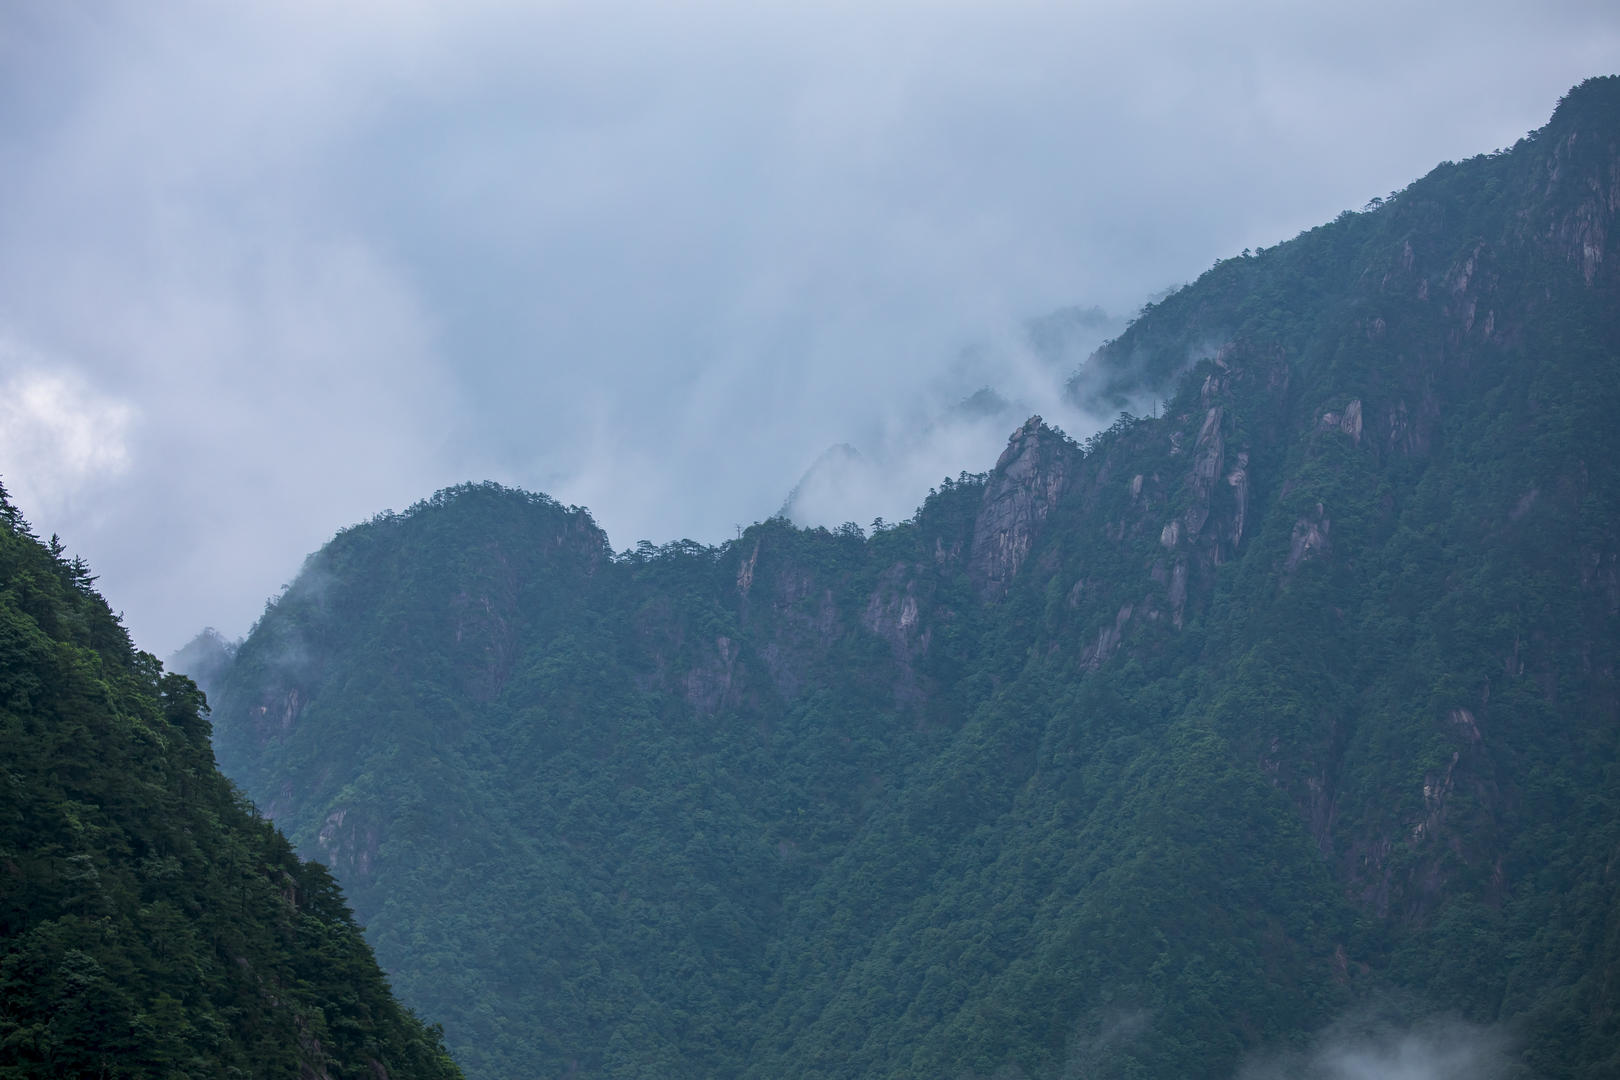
x=61 y=441
x=653 y=260
x=1365 y=1048
x=957 y=421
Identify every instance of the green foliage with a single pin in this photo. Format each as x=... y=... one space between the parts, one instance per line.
x=151 y=924
x=1302 y=696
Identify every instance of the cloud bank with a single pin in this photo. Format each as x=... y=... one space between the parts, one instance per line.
x=268 y=269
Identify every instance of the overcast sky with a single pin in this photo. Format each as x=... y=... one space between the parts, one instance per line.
x=266 y=269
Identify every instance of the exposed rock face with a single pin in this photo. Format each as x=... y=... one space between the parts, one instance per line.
x=745 y=572
x=1310 y=538
x=893 y=613
x=1032 y=474
x=708 y=685
x=346 y=845
x=1158 y=548
x=1348 y=422
x=271 y=721
x=1238 y=481
x=1583 y=162
x=1209 y=454
x=485 y=637
x=799 y=610
x=1108 y=640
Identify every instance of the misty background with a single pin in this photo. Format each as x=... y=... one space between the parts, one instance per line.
x=266 y=270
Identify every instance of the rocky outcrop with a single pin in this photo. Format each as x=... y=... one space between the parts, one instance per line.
x=1585 y=170
x=347 y=845
x=801 y=620
x=1108 y=640
x=708 y=685
x=1029 y=479
x=1310 y=538
x=1348 y=421
x=1238 y=481
x=894 y=614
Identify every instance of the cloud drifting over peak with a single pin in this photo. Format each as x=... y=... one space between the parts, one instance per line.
x=311 y=261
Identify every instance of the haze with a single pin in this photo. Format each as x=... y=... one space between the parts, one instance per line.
x=268 y=269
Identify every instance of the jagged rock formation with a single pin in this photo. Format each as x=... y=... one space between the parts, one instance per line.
x=1203 y=730
x=1029 y=479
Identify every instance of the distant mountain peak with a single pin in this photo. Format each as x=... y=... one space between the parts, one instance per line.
x=1597 y=98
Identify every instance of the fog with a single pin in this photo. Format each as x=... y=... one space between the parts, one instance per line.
x=1367 y=1048
x=268 y=269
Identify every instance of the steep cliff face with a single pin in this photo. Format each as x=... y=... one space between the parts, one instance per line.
x=1030 y=478
x=1421 y=441
x=1301 y=692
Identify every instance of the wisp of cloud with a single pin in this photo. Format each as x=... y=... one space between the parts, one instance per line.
x=1367 y=1050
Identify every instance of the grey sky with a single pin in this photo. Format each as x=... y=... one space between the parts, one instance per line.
x=268 y=269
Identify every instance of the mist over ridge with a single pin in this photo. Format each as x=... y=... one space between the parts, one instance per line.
x=901 y=539
x=960 y=421
x=294 y=265
x=1268 y=734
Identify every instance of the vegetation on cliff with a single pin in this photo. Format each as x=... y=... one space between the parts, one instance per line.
x=151 y=923
x=1128 y=758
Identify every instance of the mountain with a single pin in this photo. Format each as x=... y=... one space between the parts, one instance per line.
x=1291 y=708
x=204 y=659
x=151 y=923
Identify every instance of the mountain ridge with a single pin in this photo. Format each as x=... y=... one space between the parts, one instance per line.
x=1297 y=696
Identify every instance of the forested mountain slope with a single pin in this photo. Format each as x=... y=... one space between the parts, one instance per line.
x=1123 y=759
x=151 y=924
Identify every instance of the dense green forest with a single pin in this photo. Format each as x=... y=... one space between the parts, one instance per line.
x=152 y=924
x=1131 y=758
